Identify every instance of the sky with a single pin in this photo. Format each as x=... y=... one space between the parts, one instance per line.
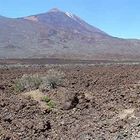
x=119 y=18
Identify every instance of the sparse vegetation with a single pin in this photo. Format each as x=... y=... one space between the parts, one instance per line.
x=27 y=82
x=18 y=86
x=53 y=78
x=46 y=99
x=43 y=83
x=49 y=102
x=80 y=107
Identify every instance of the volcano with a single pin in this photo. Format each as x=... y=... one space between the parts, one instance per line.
x=63 y=35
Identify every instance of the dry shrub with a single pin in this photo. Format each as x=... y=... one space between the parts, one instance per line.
x=53 y=79
x=27 y=82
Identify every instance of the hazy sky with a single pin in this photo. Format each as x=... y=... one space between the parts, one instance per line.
x=119 y=18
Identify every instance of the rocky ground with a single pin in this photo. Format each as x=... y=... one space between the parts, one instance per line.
x=96 y=103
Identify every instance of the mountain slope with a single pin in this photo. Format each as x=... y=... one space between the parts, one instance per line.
x=58 y=34
x=65 y=21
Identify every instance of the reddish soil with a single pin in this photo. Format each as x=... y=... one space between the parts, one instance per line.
x=107 y=107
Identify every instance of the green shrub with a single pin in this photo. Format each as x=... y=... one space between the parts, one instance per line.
x=49 y=102
x=46 y=99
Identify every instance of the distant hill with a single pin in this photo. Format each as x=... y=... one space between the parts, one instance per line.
x=58 y=34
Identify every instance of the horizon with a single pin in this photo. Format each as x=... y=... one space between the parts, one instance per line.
x=118 y=19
